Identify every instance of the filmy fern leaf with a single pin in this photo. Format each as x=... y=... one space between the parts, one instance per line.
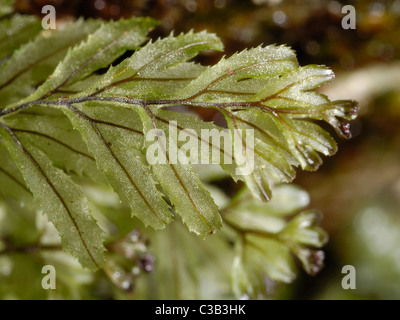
x=50 y=86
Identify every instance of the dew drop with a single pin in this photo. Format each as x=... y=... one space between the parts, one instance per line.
x=352 y=111
x=100 y=5
x=126 y=285
x=191 y=6
x=310 y=161
x=147 y=263
x=135 y=271
x=134 y=236
x=280 y=18
x=345 y=129
x=318 y=258
x=335 y=7
x=115 y=10
x=6 y=270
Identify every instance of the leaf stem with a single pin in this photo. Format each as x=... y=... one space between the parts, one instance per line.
x=126 y=100
x=244 y=231
x=30 y=249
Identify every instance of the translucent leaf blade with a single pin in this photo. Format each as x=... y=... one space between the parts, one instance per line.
x=31 y=64
x=159 y=68
x=192 y=202
x=51 y=131
x=16 y=31
x=241 y=76
x=109 y=42
x=61 y=200
x=115 y=155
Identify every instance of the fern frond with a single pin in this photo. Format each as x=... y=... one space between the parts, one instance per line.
x=51 y=86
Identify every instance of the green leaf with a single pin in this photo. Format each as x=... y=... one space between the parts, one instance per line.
x=21 y=270
x=15 y=32
x=192 y=202
x=115 y=149
x=264 y=90
x=269 y=218
x=288 y=200
x=267 y=239
x=50 y=131
x=34 y=62
x=125 y=120
x=270 y=255
x=157 y=69
x=293 y=94
x=61 y=199
x=238 y=78
x=187 y=267
x=100 y=50
x=13 y=184
x=257 y=258
x=303 y=229
x=209 y=148
x=18 y=225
